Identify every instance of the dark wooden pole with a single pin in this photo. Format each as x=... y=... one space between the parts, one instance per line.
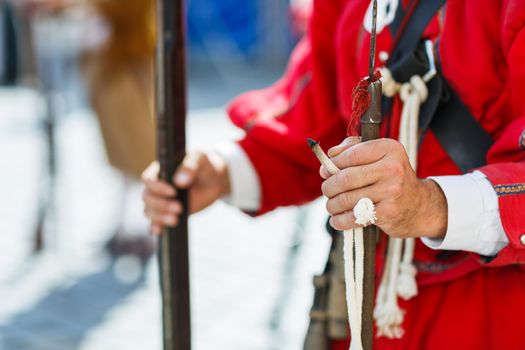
x=171 y=125
x=370 y=126
x=370 y=130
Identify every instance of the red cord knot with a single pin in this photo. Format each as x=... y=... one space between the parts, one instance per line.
x=360 y=102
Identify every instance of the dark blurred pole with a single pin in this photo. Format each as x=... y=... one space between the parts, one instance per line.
x=45 y=70
x=47 y=194
x=171 y=124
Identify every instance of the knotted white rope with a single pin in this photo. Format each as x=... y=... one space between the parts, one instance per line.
x=354 y=255
x=399 y=277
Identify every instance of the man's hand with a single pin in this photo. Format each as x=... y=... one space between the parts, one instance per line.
x=204 y=175
x=405 y=205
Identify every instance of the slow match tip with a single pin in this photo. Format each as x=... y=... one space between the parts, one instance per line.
x=312 y=143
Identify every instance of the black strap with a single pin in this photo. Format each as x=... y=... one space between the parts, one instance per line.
x=408 y=41
x=457 y=130
x=460 y=134
x=398 y=19
x=411 y=35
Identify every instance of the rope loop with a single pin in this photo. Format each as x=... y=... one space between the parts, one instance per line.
x=419 y=87
x=390 y=86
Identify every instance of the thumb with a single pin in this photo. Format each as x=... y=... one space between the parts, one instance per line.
x=186 y=173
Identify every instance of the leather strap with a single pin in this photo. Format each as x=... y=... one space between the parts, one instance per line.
x=458 y=131
x=411 y=31
x=408 y=31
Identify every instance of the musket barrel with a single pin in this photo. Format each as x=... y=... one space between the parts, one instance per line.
x=370 y=130
x=171 y=148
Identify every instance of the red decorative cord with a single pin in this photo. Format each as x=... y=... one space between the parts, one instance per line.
x=360 y=102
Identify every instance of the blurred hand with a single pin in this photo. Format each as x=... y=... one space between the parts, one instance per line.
x=405 y=205
x=204 y=175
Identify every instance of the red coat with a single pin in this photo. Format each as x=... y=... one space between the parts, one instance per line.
x=465 y=301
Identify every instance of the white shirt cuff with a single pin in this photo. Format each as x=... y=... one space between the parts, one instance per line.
x=474 y=223
x=244 y=181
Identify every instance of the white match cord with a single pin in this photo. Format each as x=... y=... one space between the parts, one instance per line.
x=354 y=254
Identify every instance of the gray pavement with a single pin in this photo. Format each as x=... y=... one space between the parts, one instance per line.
x=250 y=278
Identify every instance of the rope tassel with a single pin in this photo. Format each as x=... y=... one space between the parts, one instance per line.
x=399 y=278
x=388 y=314
x=406 y=284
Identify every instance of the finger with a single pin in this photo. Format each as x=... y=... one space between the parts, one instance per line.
x=150 y=178
x=156 y=229
x=344 y=221
x=347 y=143
x=351 y=179
x=151 y=172
x=160 y=188
x=187 y=171
x=365 y=153
x=346 y=201
x=161 y=204
x=162 y=218
x=325 y=174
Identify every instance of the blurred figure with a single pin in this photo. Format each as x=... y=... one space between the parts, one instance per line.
x=8 y=49
x=120 y=82
x=117 y=65
x=300 y=11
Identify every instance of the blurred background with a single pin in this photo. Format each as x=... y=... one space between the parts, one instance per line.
x=77 y=266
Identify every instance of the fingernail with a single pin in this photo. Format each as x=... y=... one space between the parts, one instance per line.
x=324 y=173
x=182 y=179
x=170 y=220
x=175 y=207
x=332 y=223
x=353 y=139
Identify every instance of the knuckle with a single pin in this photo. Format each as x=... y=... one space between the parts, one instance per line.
x=330 y=206
x=345 y=201
x=394 y=145
x=325 y=188
x=352 y=156
x=394 y=168
x=394 y=189
x=389 y=213
x=343 y=179
x=155 y=188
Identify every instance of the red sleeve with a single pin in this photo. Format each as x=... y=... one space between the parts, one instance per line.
x=506 y=159
x=278 y=120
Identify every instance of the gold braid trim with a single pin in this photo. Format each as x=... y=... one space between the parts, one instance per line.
x=504 y=190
